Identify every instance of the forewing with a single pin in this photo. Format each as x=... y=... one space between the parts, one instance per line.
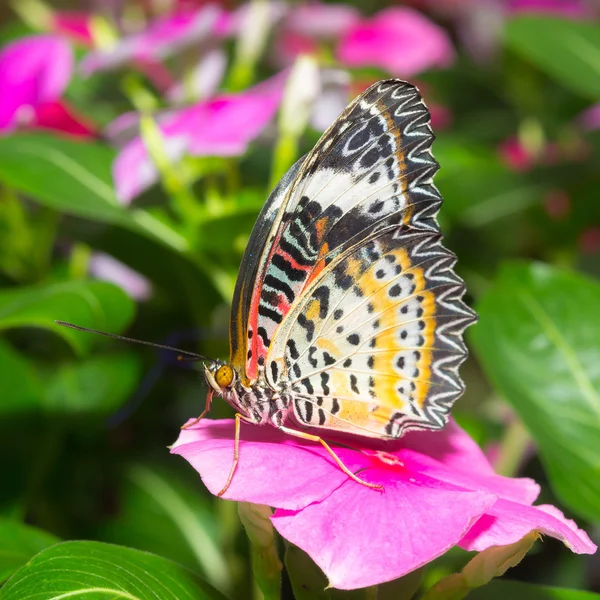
x=370 y=171
x=375 y=344
x=258 y=247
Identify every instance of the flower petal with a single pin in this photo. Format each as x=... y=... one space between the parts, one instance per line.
x=161 y=39
x=274 y=469
x=361 y=537
x=33 y=70
x=399 y=40
x=507 y=522
x=107 y=268
x=222 y=126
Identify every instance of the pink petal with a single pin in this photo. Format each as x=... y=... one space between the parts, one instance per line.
x=161 y=39
x=520 y=490
x=361 y=537
x=589 y=119
x=399 y=40
x=107 y=268
x=33 y=70
x=274 y=469
x=515 y=156
x=451 y=455
x=507 y=522
x=74 y=25
x=223 y=126
x=59 y=116
x=321 y=20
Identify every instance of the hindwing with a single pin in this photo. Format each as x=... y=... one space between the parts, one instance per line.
x=374 y=345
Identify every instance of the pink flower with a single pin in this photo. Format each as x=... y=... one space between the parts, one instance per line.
x=318 y=20
x=307 y=25
x=163 y=38
x=589 y=119
x=106 y=268
x=439 y=491
x=34 y=71
x=221 y=126
x=515 y=156
x=574 y=9
x=399 y=40
x=76 y=26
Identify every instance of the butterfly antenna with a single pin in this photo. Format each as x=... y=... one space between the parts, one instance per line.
x=192 y=355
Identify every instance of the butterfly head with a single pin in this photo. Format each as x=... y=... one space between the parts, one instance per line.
x=220 y=376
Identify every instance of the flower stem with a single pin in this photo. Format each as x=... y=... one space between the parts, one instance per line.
x=266 y=565
x=512 y=448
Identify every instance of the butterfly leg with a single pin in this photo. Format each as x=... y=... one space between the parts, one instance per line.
x=315 y=438
x=236 y=450
x=209 y=396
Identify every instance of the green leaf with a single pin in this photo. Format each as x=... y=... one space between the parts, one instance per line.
x=18 y=543
x=70 y=176
x=538 y=340
x=478 y=189
x=515 y=590
x=94 y=304
x=568 y=51
x=160 y=512
x=100 y=384
x=99 y=571
x=74 y=177
x=20 y=388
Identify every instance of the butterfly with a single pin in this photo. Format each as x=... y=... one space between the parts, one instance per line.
x=347 y=315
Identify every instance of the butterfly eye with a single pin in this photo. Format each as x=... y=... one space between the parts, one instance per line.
x=224 y=376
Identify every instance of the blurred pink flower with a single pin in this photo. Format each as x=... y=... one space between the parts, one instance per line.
x=34 y=73
x=60 y=116
x=319 y=20
x=557 y=204
x=399 y=40
x=162 y=38
x=439 y=491
x=589 y=240
x=76 y=26
x=107 y=268
x=515 y=156
x=574 y=9
x=221 y=126
x=589 y=119
x=305 y=26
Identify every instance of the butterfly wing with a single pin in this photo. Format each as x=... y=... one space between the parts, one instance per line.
x=363 y=323
x=374 y=345
x=370 y=171
x=254 y=257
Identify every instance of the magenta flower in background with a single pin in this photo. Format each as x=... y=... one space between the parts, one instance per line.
x=107 y=268
x=439 y=491
x=321 y=21
x=162 y=38
x=76 y=26
x=221 y=126
x=34 y=71
x=589 y=119
x=399 y=40
x=305 y=26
